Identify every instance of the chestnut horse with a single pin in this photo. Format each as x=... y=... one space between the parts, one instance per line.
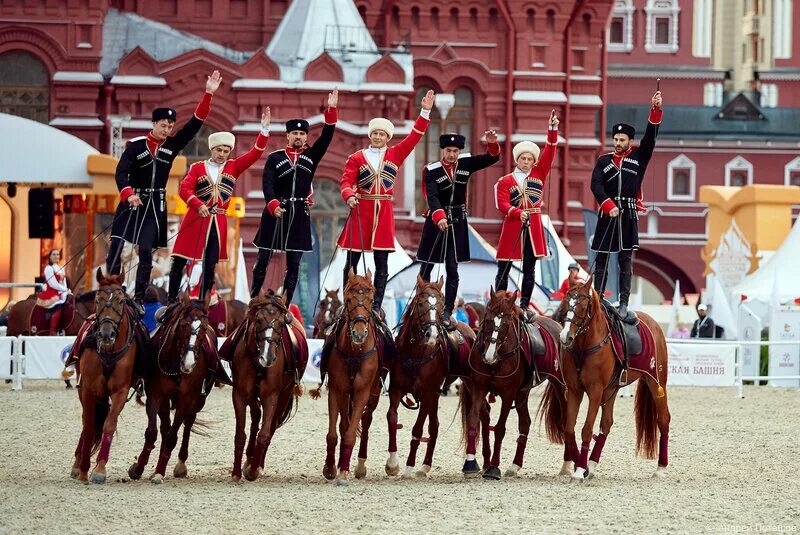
x=328 y=306
x=177 y=378
x=498 y=366
x=19 y=317
x=351 y=360
x=589 y=365
x=266 y=378
x=107 y=369
x=422 y=367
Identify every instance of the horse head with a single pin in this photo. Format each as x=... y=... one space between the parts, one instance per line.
x=109 y=304
x=498 y=328
x=191 y=321
x=577 y=308
x=358 y=295
x=425 y=311
x=330 y=304
x=268 y=316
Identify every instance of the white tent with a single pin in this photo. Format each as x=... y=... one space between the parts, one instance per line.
x=784 y=267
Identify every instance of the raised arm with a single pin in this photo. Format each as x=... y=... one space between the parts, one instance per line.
x=404 y=148
x=243 y=162
x=492 y=154
x=187 y=132
x=320 y=146
x=549 y=153
x=648 y=143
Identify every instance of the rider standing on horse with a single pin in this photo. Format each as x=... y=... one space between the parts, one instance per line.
x=207 y=190
x=445 y=234
x=56 y=291
x=367 y=187
x=142 y=174
x=287 y=185
x=518 y=196
x=616 y=184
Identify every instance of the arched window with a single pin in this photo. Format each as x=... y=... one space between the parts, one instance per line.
x=620 y=30
x=791 y=173
x=473 y=19
x=328 y=215
x=661 y=28
x=551 y=20
x=738 y=172
x=681 y=173
x=587 y=25
x=197 y=150
x=435 y=18
x=395 y=18
x=415 y=18
x=453 y=18
x=24 y=86
x=531 y=20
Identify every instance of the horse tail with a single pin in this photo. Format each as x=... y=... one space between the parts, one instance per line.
x=201 y=428
x=102 y=407
x=646 y=424
x=465 y=405
x=551 y=411
x=316 y=393
x=293 y=403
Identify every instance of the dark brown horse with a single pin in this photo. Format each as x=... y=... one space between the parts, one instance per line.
x=498 y=365
x=107 y=369
x=351 y=361
x=328 y=306
x=177 y=378
x=19 y=317
x=268 y=353
x=423 y=365
x=590 y=366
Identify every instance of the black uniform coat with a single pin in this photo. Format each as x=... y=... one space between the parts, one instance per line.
x=619 y=186
x=143 y=171
x=289 y=186
x=447 y=199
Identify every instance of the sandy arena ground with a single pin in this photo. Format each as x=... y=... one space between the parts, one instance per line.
x=733 y=469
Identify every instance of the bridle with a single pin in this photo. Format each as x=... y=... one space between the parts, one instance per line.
x=574 y=299
x=498 y=320
x=266 y=332
x=362 y=301
x=197 y=325
x=117 y=307
x=425 y=307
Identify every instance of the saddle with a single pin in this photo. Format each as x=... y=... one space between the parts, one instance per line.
x=541 y=353
x=218 y=317
x=40 y=318
x=627 y=332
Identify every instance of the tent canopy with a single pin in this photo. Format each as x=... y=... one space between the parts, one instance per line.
x=64 y=162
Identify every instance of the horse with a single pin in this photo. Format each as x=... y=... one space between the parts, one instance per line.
x=424 y=364
x=19 y=317
x=182 y=356
x=107 y=370
x=329 y=305
x=268 y=355
x=505 y=361
x=351 y=359
x=590 y=365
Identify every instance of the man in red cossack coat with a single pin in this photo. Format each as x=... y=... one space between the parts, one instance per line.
x=367 y=187
x=518 y=196
x=207 y=190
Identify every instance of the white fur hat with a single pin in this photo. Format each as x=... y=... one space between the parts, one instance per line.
x=379 y=123
x=526 y=146
x=221 y=138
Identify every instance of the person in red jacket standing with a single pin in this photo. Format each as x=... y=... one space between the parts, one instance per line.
x=518 y=196
x=367 y=186
x=207 y=189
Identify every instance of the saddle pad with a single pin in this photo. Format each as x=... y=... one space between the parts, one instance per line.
x=299 y=346
x=549 y=363
x=230 y=343
x=80 y=341
x=218 y=318
x=645 y=360
x=40 y=317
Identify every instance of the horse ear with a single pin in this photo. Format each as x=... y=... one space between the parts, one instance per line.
x=99 y=275
x=589 y=281
x=351 y=273
x=420 y=281
x=440 y=284
x=491 y=290
x=369 y=275
x=184 y=298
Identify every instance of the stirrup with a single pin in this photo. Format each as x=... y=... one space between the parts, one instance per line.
x=623 y=377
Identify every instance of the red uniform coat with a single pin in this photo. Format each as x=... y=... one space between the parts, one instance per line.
x=198 y=189
x=374 y=190
x=511 y=201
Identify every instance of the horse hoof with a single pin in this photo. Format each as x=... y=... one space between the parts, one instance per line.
x=392 y=470
x=135 y=472
x=180 y=470
x=156 y=479
x=471 y=468
x=236 y=479
x=408 y=473
x=579 y=475
x=74 y=473
x=251 y=474
x=512 y=471
x=97 y=479
x=661 y=472
x=566 y=469
x=361 y=471
x=590 y=471
x=329 y=472
x=421 y=474
x=341 y=482
x=493 y=473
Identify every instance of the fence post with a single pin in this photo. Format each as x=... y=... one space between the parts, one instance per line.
x=17 y=363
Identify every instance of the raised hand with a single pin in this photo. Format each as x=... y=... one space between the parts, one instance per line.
x=656 y=100
x=428 y=100
x=213 y=82
x=491 y=136
x=553 y=119
x=333 y=98
x=265 y=118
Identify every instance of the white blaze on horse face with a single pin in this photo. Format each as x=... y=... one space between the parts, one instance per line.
x=263 y=360
x=490 y=351
x=434 y=331
x=568 y=321
x=189 y=360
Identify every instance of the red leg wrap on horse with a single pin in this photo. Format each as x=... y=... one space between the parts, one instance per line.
x=163 y=459
x=472 y=435
x=583 y=459
x=597 y=450
x=345 y=452
x=571 y=451
x=663 y=446
x=520 y=454
x=105 y=447
x=392 y=438
x=412 y=452
x=144 y=456
x=363 y=444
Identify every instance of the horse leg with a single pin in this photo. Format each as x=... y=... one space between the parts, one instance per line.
x=606 y=421
x=83 y=453
x=582 y=466
x=150 y=435
x=168 y=444
x=416 y=437
x=493 y=470
x=180 y=469
x=392 y=464
x=472 y=406
x=329 y=468
x=255 y=422
x=574 y=398
x=76 y=465
x=524 y=417
x=240 y=412
x=486 y=413
x=118 y=400
x=366 y=422
x=432 y=401
x=269 y=403
x=360 y=399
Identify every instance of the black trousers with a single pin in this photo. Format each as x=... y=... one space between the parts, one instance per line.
x=380 y=277
x=625 y=261
x=451 y=285
x=148 y=240
x=210 y=259
x=289 y=279
x=528 y=272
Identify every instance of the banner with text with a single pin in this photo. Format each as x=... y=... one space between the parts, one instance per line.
x=701 y=365
x=784 y=326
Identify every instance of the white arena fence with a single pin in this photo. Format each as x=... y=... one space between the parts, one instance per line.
x=693 y=362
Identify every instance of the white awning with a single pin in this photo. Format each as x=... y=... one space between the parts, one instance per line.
x=41 y=154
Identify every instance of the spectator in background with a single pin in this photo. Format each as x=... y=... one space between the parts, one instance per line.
x=703 y=326
x=151 y=304
x=461 y=312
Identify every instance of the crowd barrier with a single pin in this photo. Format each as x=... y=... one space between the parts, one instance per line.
x=691 y=362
